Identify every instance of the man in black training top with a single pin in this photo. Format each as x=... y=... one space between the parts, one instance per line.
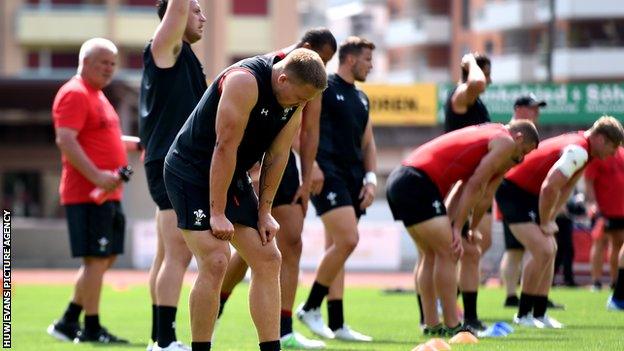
x=172 y=84
x=251 y=112
x=346 y=155
x=291 y=202
x=464 y=108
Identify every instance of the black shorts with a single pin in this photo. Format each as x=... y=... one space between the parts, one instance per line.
x=413 y=197
x=96 y=230
x=289 y=184
x=511 y=243
x=338 y=192
x=191 y=202
x=614 y=223
x=516 y=204
x=156 y=184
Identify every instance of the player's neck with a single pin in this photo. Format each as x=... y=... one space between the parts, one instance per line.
x=346 y=75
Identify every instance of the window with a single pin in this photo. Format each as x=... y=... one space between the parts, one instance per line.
x=133 y=60
x=64 y=60
x=33 y=59
x=21 y=192
x=466 y=14
x=250 y=8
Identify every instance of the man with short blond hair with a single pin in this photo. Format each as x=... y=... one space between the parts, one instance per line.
x=250 y=113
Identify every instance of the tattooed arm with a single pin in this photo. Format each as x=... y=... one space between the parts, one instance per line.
x=273 y=165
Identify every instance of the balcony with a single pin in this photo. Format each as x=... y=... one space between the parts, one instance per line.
x=71 y=26
x=512 y=14
x=512 y=68
x=575 y=9
x=410 y=76
x=424 y=30
x=588 y=63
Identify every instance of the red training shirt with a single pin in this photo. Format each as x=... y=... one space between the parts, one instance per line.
x=608 y=178
x=85 y=109
x=530 y=174
x=455 y=156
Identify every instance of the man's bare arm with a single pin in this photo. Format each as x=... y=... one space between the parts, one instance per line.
x=67 y=142
x=167 y=41
x=240 y=94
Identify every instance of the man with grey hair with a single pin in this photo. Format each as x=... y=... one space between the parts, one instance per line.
x=88 y=135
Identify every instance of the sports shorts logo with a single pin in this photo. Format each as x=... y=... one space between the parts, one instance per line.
x=199 y=216
x=264 y=112
x=332 y=198
x=533 y=216
x=286 y=112
x=103 y=242
x=339 y=97
x=438 y=206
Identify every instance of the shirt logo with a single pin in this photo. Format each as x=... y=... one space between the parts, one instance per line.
x=438 y=206
x=286 y=112
x=332 y=198
x=264 y=112
x=199 y=216
x=103 y=242
x=365 y=103
x=533 y=216
x=339 y=97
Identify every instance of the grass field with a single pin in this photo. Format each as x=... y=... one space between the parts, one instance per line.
x=391 y=319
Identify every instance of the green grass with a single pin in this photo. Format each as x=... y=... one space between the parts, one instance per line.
x=391 y=319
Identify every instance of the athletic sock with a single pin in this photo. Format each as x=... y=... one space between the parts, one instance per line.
x=285 y=322
x=92 y=324
x=166 y=325
x=618 y=292
x=539 y=306
x=525 y=305
x=269 y=346
x=201 y=346
x=470 y=305
x=72 y=313
x=420 y=310
x=154 y=322
x=317 y=294
x=224 y=297
x=335 y=314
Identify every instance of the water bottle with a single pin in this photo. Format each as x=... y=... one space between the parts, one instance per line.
x=99 y=195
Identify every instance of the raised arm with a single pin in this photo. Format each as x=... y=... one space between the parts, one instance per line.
x=467 y=93
x=167 y=42
x=240 y=94
x=273 y=165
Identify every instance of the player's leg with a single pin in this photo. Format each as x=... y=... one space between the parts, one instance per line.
x=235 y=273
x=264 y=291
x=616 y=301
x=596 y=258
x=153 y=274
x=169 y=281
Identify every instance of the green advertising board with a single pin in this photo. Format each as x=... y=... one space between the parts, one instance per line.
x=568 y=104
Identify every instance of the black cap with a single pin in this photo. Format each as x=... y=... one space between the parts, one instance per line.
x=529 y=100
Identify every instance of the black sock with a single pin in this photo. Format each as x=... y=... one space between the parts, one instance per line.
x=420 y=309
x=200 y=346
x=317 y=294
x=285 y=322
x=335 y=314
x=154 y=322
x=166 y=325
x=526 y=304
x=618 y=292
x=539 y=306
x=223 y=299
x=269 y=346
x=72 y=313
x=92 y=324
x=470 y=305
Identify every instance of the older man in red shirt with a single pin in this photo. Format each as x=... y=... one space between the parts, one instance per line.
x=89 y=137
